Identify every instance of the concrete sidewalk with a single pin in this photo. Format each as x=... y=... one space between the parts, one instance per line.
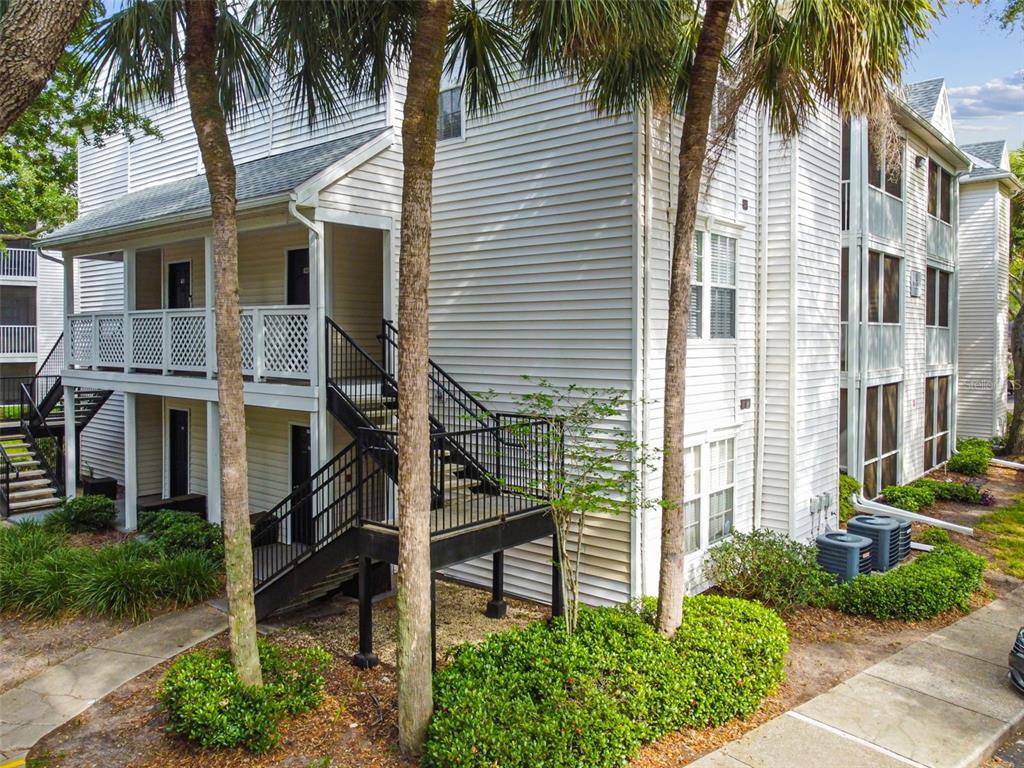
x=943 y=702
x=42 y=703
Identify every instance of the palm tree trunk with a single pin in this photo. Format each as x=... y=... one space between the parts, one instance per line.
x=32 y=38
x=419 y=138
x=692 y=151
x=211 y=131
x=1015 y=438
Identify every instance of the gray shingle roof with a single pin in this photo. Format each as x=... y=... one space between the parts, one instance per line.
x=988 y=152
x=255 y=180
x=923 y=96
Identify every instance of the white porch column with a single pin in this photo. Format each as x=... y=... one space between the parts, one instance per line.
x=129 y=306
x=213 y=498
x=70 y=444
x=131 y=466
x=69 y=305
x=210 y=300
x=321 y=436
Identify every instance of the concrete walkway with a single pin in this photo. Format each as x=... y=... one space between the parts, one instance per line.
x=943 y=702
x=57 y=694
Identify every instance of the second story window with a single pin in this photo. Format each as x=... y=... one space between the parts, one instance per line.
x=883 y=288
x=723 y=287
x=449 y=113
x=885 y=171
x=721 y=497
x=940 y=192
x=937 y=312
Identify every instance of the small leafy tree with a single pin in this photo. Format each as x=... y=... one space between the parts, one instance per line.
x=596 y=467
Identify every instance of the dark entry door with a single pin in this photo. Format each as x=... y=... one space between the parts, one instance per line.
x=178 y=450
x=179 y=285
x=298 y=276
x=302 y=520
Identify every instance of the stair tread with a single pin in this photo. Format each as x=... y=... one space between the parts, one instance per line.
x=48 y=503
x=30 y=493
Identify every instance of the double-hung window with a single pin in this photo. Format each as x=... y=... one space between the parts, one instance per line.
x=881 y=438
x=936 y=420
x=696 y=325
x=940 y=191
x=449 y=113
x=721 y=488
x=883 y=288
x=691 y=498
x=723 y=287
x=937 y=291
x=713 y=287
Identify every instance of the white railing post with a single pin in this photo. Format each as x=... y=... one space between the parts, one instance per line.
x=69 y=307
x=258 y=344
x=95 y=346
x=165 y=335
x=129 y=307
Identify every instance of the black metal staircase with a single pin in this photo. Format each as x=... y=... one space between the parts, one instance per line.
x=489 y=475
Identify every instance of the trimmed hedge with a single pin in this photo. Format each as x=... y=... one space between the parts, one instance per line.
x=175 y=531
x=847 y=486
x=768 y=567
x=207 y=704
x=925 y=587
x=533 y=696
x=82 y=513
x=909 y=497
x=966 y=493
x=971 y=458
x=935 y=537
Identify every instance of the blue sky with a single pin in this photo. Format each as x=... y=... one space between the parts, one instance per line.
x=983 y=66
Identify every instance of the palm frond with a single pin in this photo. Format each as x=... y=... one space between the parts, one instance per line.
x=243 y=64
x=484 y=50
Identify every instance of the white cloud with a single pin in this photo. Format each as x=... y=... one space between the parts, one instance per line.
x=1002 y=96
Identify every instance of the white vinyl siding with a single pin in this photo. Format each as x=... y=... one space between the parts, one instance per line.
x=49 y=304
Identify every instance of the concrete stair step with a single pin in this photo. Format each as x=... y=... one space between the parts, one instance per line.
x=35 y=504
x=35 y=482
x=28 y=494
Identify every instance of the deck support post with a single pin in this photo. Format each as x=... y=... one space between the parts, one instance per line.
x=366 y=658
x=213 y=483
x=70 y=445
x=131 y=474
x=496 y=607
x=557 y=600
x=433 y=621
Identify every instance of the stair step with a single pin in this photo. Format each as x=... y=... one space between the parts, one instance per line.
x=30 y=473
x=35 y=504
x=35 y=482
x=28 y=494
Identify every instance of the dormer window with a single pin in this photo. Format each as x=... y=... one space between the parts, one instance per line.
x=449 y=113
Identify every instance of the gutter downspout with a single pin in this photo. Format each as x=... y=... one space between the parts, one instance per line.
x=794 y=223
x=317 y=320
x=875 y=508
x=761 y=325
x=645 y=299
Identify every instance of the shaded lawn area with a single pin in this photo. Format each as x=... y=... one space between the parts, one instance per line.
x=1006 y=527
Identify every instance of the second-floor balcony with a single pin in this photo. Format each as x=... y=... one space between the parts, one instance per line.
x=885 y=215
x=941 y=244
x=17 y=342
x=275 y=341
x=18 y=263
x=939 y=345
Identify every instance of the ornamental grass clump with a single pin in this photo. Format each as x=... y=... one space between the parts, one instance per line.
x=538 y=696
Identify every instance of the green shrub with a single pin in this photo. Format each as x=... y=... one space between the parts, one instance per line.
x=932 y=584
x=768 y=567
x=936 y=537
x=535 y=696
x=82 y=513
x=120 y=582
x=847 y=486
x=187 y=577
x=207 y=704
x=971 y=458
x=175 y=532
x=966 y=493
x=909 y=497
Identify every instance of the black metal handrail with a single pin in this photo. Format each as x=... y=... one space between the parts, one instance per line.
x=521 y=477
x=29 y=426
x=8 y=473
x=313 y=515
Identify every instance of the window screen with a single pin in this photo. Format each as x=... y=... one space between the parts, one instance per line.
x=891 y=310
x=449 y=114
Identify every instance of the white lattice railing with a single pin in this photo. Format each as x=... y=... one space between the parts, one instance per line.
x=18 y=262
x=17 y=339
x=275 y=341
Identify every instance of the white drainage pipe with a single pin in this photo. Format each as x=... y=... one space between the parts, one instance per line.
x=1006 y=464
x=875 y=508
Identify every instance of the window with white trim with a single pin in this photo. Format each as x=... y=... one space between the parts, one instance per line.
x=885 y=173
x=937 y=292
x=881 y=438
x=691 y=498
x=940 y=192
x=721 y=488
x=936 y=420
x=696 y=323
x=723 y=287
x=884 y=281
x=449 y=113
